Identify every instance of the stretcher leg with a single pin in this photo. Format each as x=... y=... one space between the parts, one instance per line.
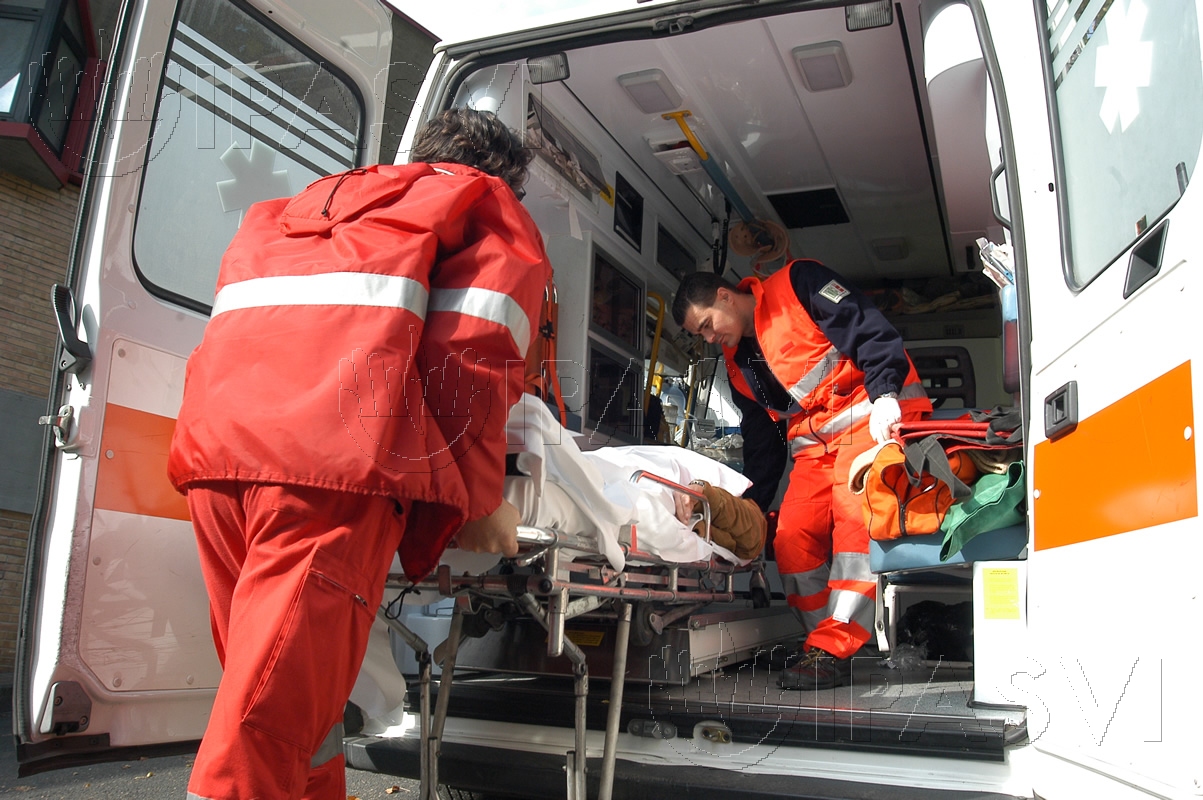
x=428 y=787
x=580 y=673
x=428 y=750
x=577 y=758
x=446 y=676
x=614 y=713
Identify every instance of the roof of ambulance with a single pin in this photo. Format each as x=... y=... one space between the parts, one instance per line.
x=511 y=19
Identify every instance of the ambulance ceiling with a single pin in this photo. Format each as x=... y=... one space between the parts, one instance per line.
x=749 y=106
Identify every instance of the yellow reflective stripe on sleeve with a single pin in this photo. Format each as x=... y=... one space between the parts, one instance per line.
x=488 y=305
x=324 y=289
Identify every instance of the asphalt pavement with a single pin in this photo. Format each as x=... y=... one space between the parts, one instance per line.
x=146 y=778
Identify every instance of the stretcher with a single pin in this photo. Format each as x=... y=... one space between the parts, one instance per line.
x=561 y=575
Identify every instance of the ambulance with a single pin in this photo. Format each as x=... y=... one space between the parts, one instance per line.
x=908 y=145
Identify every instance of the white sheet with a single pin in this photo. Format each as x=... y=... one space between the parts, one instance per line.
x=590 y=492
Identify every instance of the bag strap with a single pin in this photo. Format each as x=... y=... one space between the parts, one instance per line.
x=1005 y=425
x=927 y=455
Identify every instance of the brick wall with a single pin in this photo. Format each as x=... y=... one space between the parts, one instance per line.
x=35 y=235
x=14 y=534
x=34 y=240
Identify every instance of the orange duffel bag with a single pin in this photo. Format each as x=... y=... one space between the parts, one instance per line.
x=908 y=500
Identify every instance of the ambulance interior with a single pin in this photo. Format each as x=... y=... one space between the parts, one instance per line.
x=864 y=137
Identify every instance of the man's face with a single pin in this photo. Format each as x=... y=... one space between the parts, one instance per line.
x=719 y=323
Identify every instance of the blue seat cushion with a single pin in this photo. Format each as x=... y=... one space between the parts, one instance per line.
x=923 y=552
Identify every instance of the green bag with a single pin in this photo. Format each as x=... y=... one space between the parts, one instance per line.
x=997 y=502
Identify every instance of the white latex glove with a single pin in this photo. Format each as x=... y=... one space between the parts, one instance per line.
x=885 y=415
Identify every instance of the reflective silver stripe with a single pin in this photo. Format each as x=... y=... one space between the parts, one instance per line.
x=800 y=443
x=809 y=619
x=489 y=305
x=195 y=796
x=331 y=746
x=833 y=427
x=325 y=289
x=811 y=380
x=847 y=606
x=847 y=418
x=851 y=567
x=804 y=584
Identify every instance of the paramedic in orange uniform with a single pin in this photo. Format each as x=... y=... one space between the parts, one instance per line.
x=347 y=403
x=819 y=356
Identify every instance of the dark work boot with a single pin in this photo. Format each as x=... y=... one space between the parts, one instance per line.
x=817 y=669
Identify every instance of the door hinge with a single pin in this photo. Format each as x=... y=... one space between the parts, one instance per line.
x=70 y=709
x=60 y=425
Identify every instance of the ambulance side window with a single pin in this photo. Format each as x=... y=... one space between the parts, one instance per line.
x=243 y=115
x=1128 y=92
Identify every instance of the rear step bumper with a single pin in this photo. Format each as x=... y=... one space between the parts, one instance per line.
x=497 y=772
x=776 y=718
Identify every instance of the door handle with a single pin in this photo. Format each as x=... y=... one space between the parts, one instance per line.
x=76 y=353
x=994 y=201
x=1061 y=411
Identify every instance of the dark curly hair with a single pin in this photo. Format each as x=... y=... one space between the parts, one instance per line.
x=476 y=139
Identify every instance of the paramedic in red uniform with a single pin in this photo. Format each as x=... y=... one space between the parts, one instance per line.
x=347 y=403
x=821 y=358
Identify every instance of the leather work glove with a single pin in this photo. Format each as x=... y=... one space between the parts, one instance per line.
x=736 y=523
x=885 y=415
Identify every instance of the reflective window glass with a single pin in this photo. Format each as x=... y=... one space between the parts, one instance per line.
x=14 y=45
x=1129 y=103
x=243 y=116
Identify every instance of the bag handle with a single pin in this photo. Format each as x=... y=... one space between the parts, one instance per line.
x=927 y=455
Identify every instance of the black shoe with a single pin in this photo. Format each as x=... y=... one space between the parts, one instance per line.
x=818 y=669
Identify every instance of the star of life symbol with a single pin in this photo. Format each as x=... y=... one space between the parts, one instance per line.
x=254 y=178
x=1123 y=65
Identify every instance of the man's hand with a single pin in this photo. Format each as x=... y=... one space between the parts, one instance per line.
x=885 y=415
x=496 y=533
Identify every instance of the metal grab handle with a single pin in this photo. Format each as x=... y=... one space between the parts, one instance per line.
x=641 y=474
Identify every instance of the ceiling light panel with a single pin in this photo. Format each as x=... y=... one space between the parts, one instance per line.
x=823 y=66
x=651 y=90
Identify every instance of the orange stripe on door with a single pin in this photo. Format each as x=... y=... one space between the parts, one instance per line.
x=1127 y=467
x=132 y=476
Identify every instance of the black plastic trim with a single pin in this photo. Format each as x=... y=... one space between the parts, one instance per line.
x=78 y=751
x=513 y=773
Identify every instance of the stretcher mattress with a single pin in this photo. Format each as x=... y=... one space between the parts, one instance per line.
x=590 y=492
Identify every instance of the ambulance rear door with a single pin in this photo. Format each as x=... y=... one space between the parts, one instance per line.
x=210 y=106
x=1103 y=124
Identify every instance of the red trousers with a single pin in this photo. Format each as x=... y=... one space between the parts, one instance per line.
x=822 y=547
x=294 y=576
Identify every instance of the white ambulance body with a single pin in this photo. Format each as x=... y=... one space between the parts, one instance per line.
x=886 y=139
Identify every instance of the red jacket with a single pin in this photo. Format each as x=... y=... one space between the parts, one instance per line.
x=368 y=336
x=826 y=387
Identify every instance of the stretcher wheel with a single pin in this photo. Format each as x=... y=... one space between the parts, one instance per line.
x=758 y=590
x=641 y=624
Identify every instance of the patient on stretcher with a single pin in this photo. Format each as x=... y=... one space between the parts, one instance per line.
x=590 y=492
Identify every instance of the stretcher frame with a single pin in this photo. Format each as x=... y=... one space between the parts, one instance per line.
x=552 y=597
